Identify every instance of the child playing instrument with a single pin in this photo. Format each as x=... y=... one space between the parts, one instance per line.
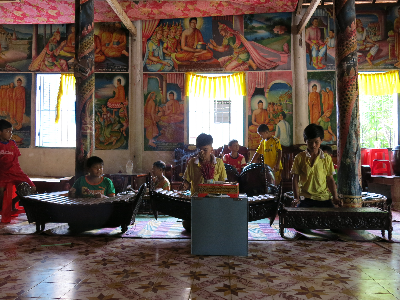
x=94 y=184
x=203 y=167
x=10 y=171
x=271 y=150
x=234 y=158
x=161 y=181
x=313 y=170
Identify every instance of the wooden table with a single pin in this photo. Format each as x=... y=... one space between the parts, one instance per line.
x=383 y=184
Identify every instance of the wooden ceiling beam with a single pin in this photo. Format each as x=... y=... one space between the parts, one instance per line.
x=122 y=15
x=299 y=8
x=308 y=14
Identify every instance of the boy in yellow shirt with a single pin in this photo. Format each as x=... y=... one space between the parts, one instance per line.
x=313 y=171
x=271 y=150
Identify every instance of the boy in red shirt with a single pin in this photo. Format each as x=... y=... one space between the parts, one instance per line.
x=10 y=171
x=234 y=158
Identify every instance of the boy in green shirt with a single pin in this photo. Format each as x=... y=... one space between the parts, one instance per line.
x=313 y=172
x=93 y=185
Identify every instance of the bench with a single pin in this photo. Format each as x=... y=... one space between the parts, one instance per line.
x=364 y=218
x=82 y=213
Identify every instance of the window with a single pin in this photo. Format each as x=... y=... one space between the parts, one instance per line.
x=48 y=133
x=379 y=121
x=222 y=119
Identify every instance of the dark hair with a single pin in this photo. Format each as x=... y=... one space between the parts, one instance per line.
x=283 y=114
x=327 y=148
x=171 y=93
x=313 y=131
x=19 y=80
x=193 y=18
x=5 y=124
x=331 y=31
x=203 y=139
x=315 y=19
x=231 y=142
x=119 y=80
x=93 y=160
x=160 y=164
x=314 y=85
x=263 y=128
x=260 y=101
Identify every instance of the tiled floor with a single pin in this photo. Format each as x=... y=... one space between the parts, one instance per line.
x=92 y=268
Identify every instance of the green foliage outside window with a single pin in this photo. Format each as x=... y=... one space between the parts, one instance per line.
x=378 y=121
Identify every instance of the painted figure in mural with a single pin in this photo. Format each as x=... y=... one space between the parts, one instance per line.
x=171 y=45
x=397 y=38
x=151 y=118
x=331 y=40
x=172 y=113
x=324 y=121
x=283 y=130
x=123 y=113
x=315 y=110
x=119 y=96
x=244 y=54
x=47 y=60
x=3 y=100
x=107 y=121
x=327 y=99
x=315 y=40
x=166 y=31
x=19 y=101
x=154 y=59
x=259 y=116
x=191 y=38
x=179 y=33
x=364 y=42
x=70 y=46
x=106 y=36
x=99 y=55
x=11 y=103
x=118 y=44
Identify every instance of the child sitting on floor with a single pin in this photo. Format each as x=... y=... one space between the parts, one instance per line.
x=234 y=158
x=313 y=170
x=270 y=148
x=203 y=167
x=10 y=170
x=161 y=181
x=94 y=184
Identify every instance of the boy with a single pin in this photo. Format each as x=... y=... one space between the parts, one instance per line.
x=10 y=171
x=203 y=167
x=313 y=173
x=94 y=184
x=234 y=158
x=271 y=150
x=161 y=181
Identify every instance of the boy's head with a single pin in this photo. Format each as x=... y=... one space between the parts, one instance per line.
x=264 y=132
x=204 y=143
x=313 y=136
x=233 y=145
x=327 y=149
x=95 y=166
x=6 y=130
x=158 y=168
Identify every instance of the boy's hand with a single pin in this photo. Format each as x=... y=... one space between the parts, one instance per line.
x=295 y=202
x=337 y=201
x=276 y=167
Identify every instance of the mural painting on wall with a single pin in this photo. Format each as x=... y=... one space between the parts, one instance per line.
x=378 y=37
x=321 y=41
x=53 y=48
x=15 y=47
x=322 y=103
x=163 y=111
x=15 y=105
x=216 y=44
x=111 y=111
x=111 y=47
x=270 y=36
x=270 y=102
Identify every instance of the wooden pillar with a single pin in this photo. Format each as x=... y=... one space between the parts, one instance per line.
x=35 y=42
x=85 y=82
x=349 y=151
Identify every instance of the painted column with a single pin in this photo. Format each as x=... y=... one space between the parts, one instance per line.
x=85 y=82
x=35 y=42
x=348 y=148
x=300 y=87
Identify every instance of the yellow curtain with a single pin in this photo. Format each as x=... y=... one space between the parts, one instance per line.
x=67 y=86
x=382 y=83
x=215 y=87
